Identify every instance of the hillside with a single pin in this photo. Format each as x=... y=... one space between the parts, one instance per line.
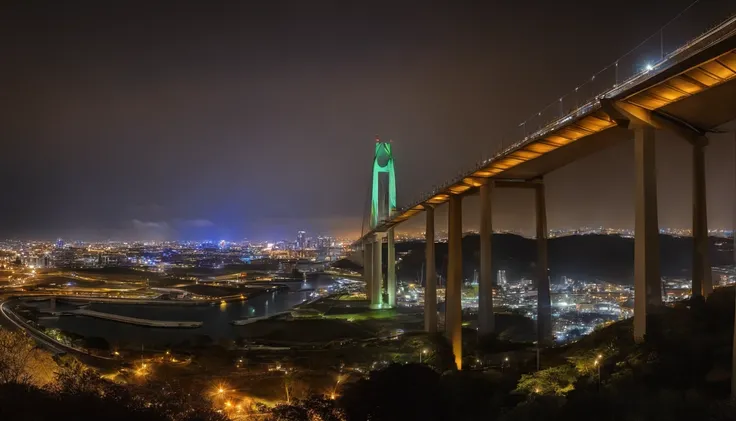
x=593 y=256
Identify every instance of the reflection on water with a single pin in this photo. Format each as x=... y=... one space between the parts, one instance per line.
x=216 y=318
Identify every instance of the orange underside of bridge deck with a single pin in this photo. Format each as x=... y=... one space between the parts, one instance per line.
x=699 y=90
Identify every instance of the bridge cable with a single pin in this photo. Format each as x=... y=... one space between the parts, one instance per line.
x=661 y=28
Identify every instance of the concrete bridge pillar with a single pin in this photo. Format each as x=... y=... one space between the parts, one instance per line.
x=368 y=268
x=702 y=276
x=544 y=305
x=377 y=284
x=391 y=270
x=647 y=281
x=486 y=322
x=733 y=345
x=453 y=318
x=430 y=280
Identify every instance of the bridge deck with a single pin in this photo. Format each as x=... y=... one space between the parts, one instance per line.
x=696 y=84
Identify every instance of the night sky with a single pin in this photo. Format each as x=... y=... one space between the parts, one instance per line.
x=224 y=120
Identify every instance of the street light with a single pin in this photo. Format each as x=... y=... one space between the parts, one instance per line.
x=424 y=351
x=337 y=384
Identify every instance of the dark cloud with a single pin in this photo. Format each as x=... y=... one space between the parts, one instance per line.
x=255 y=119
x=198 y=223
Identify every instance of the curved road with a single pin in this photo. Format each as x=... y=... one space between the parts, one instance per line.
x=8 y=319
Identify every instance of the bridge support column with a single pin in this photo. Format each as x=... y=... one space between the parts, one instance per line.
x=430 y=280
x=377 y=284
x=391 y=270
x=453 y=318
x=368 y=268
x=544 y=306
x=733 y=345
x=702 y=277
x=486 y=323
x=647 y=281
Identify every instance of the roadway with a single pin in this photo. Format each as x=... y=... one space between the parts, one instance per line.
x=133 y=320
x=9 y=320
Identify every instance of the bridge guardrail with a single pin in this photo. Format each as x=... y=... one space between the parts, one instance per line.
x=675 y=41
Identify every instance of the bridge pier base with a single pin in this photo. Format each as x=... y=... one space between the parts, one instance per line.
x=391 y=270
x=377 y=284
x=544 y=305
x=486 y=322
x=702 y=276
x=430 y=276
x=647 y=281
x=368 y=268
x=453 y=303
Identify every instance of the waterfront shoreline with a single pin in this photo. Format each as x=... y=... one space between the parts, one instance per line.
x=146 y=302
x=135 y=320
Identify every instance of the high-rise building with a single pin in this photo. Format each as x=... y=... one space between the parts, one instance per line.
x=325 y=242
x=301 y=240
x=502 y=281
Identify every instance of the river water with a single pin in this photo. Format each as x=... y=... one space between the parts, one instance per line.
x=216 y=318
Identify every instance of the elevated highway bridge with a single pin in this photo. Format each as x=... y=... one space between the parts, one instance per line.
x=689 y=92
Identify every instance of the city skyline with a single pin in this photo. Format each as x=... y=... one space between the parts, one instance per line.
x=401 y=235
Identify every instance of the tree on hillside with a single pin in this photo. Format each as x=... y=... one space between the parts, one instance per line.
x=313 y=408
x=22 y=362
x=159 y=400
x=75 y=378
x=557 y=380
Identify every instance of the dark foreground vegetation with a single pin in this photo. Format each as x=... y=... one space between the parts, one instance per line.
x=681 y=372
x=33 y=388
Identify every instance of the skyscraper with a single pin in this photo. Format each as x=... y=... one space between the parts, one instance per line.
x=502 y=281
x=301 y=240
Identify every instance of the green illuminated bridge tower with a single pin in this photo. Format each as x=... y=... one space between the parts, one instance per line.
x=383 y=207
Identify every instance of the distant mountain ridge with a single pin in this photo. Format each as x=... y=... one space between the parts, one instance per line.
x=605 y=257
